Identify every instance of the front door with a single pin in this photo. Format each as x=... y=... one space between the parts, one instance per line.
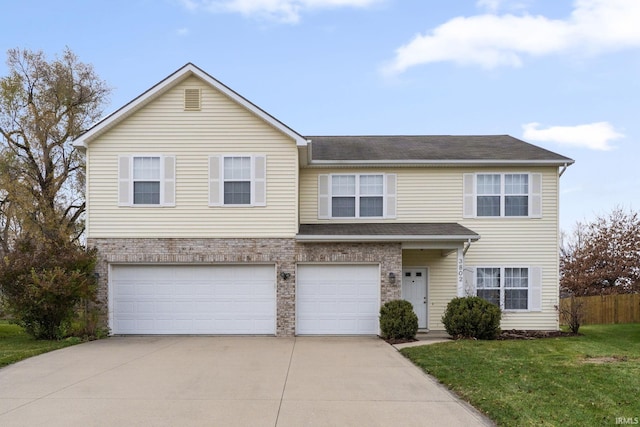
x=414 y=290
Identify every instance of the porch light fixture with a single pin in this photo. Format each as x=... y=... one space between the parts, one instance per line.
x=392 y=277
x=285 y=276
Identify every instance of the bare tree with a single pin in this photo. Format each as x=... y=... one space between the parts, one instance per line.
x=602 y=257
x=44 y=105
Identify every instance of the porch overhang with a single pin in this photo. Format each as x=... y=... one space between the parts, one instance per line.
x=445 y=236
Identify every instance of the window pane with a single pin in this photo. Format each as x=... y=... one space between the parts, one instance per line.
x=146 y=168
x=371 y=206
x=516 y=277
x=491 y=295
x=516 y=184
x=237 y=193
x=488 y=184
x=343 y=185
x=515 y=299
x=146 y=193
x=488 y=205
x=516 y=205
x=237 y=168
x=343 y=207
x=488 y=278
x=371 y=185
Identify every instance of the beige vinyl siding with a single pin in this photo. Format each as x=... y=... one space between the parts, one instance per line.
x=436 y=195
x=220 y=127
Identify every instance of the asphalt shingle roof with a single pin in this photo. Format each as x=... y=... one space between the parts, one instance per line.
x=429 y=147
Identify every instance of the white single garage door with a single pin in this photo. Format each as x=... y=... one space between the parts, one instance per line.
x=337 y=299
x=193 y=299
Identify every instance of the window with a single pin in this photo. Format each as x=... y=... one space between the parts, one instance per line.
x=357 y=196
x=146 y=180
x=505 y=287
x=237 y=181
x=502 y=195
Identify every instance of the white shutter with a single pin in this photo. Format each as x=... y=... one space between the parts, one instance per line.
x=215 y=198
x=259 y=181
x=535 y=289
x=169 y=181
x=124 y=181
x=469 y=280
x=323 y=197
x=535 y=196
x=469 y=196
x=391 y=195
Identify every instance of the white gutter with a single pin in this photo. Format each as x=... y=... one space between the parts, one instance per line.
x=382 y=238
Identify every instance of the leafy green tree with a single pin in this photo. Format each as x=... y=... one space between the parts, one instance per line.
x=44 y=105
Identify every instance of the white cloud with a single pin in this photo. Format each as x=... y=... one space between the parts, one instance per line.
x=286 y=11
x=594 y=136
x=492 y=40
x=182 y=31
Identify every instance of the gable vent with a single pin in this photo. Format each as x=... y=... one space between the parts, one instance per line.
x=192 y=98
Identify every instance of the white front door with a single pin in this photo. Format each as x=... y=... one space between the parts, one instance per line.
x=414 y=290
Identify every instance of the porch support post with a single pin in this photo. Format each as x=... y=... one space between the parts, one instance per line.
x=460 y=256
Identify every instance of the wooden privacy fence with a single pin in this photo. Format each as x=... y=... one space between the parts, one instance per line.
x=604 y=309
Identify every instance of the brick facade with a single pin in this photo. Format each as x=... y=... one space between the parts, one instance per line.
x=284 y=253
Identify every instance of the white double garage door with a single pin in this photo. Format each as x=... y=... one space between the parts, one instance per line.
x=341 y=299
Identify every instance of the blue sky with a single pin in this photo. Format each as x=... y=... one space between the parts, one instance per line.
x=564 y=75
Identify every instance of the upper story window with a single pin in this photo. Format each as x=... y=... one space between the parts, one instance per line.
x=237 y=180
x=502 y=195
x=357 y=196
x=146 y=180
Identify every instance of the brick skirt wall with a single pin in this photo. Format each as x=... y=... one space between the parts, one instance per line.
x=284 y=253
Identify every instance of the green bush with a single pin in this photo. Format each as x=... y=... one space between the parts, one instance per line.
x=398 y=321
x=472 y=317
x=43 y=285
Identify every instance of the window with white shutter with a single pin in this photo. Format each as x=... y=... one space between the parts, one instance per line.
x=146 y=180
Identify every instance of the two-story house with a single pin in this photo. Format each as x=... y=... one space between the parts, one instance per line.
x=213 y=217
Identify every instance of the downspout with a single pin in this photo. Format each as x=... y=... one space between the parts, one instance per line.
x=466 y=247
x=564 y=168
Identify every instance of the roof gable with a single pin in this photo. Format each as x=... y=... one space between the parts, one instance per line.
x=171 y=81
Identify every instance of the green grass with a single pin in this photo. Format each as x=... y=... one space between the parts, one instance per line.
x=543 y=382
x=16 y=345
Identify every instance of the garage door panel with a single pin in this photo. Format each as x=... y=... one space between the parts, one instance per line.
x=338 y=299
x=193 y=299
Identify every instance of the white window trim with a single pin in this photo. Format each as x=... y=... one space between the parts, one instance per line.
x=163 y=181
x=503 y=288
x=253 y=180
x=357 y=195
x=470 y=196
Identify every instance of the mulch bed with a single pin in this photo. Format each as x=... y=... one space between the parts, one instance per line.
x=515 y=334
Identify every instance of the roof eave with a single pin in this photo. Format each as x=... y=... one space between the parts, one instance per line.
x=437 y=163
x=329 y=238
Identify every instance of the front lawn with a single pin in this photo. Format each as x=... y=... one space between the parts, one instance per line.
x=16 y=345
x=592 y=379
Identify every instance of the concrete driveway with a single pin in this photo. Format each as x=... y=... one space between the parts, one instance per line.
x=226 y=381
